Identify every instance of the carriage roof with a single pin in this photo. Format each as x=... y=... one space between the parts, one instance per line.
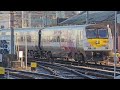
x=65 y=27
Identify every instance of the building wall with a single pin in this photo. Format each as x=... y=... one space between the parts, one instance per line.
x=35 y=18
x=5 y=20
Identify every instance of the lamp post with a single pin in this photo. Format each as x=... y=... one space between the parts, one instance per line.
x=22 y=19
x=26 y=51
x=12 y=30
x=46 y=19
x=87 y=17
x=29 y=20
x=115 y=57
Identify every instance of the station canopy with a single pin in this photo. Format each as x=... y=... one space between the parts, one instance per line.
x=93 y=17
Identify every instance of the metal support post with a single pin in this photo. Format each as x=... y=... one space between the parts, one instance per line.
x=12 y=31
x=46 y=19
x=87 y=17
x=115 y=57
x=22 y=19
x=29 y=19
x=26 y=51
x=16 y=46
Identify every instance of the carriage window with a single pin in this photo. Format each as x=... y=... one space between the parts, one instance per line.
x=62 y=40
x=53 y=39
x=3 y=33
x=21 y=39
x=46 y=39
x=50 y=38
x=58 y=38
x=43 y=40
x=80 y=35
x=18 y=38
x=7 y=33
x=28 y=38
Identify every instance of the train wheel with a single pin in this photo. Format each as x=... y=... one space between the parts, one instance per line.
x=70 y=55
x=95 y=62
x=76 y=58
x=79 y=58
x=49 y=56
x=82 y=58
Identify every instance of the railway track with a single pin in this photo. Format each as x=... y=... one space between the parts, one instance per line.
x=92 y=72
x=19 y=75
x=31 y=75
x=48 y=70
x=97 y=66
x=65 y=72
x=43 y=69
x=98 y=73
x=102 y=71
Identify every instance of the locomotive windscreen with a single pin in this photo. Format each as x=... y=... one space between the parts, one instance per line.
x=96 y=33
x=91 y=33
x=103 y=33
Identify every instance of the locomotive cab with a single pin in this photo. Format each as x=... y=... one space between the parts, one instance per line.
x=99 y=43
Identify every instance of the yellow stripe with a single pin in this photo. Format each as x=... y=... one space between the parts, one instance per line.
x=97 y=42
x=2 y=70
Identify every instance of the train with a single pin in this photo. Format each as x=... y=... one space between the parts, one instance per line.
x=80 y=42
x=92 y=42
x=19 y=39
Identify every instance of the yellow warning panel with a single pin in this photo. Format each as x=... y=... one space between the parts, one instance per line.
x=33 y=64
x=2 y=70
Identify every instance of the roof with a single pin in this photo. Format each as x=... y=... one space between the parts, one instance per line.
x=22 y=29
x=94 y=17
x=64 y=27
x=71 y=27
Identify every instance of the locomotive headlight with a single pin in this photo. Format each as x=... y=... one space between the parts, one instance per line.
x=94 y=47
x=88 y=45
x=107 y=46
